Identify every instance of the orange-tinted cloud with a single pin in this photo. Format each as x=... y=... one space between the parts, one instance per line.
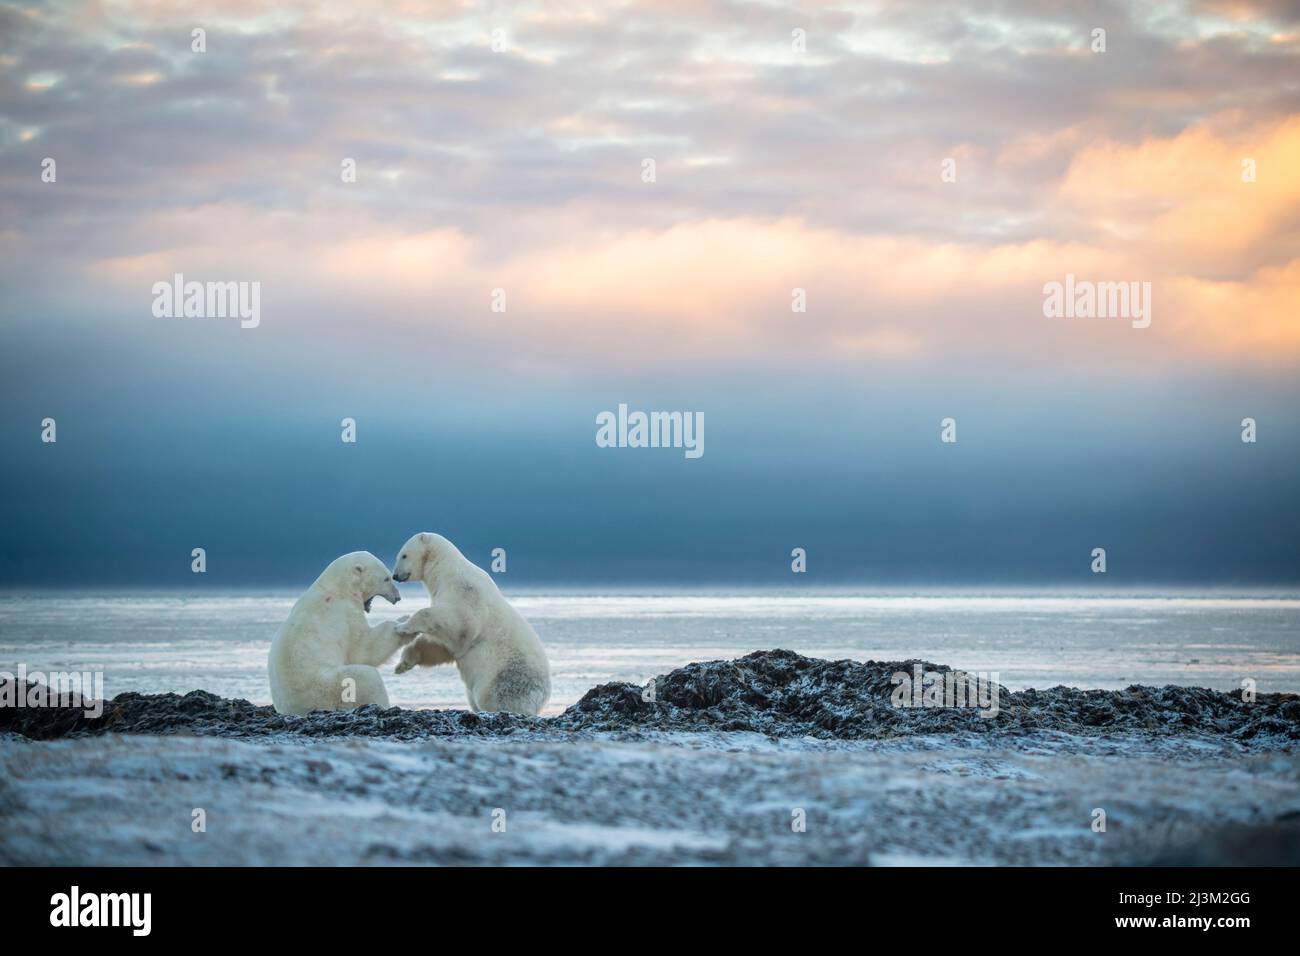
x=1220 y=255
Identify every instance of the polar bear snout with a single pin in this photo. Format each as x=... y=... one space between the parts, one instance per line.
x=412 y=560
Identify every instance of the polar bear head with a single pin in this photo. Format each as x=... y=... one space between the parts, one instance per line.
x=363 y=576
x=421 y=556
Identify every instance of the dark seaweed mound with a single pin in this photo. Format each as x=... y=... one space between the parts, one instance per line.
x=778 y=693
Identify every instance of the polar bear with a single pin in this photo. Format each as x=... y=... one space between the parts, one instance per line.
x=324 y=656
x=469 y=621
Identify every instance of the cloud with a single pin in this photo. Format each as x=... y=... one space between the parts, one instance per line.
x=521 y=170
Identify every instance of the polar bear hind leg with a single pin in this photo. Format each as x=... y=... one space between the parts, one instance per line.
x=515 y=690
x=360 y=684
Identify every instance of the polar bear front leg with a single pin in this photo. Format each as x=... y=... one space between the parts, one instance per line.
x=423 y=652
x=380 y=643
x=428 y=620
x=434 y=629
x=437 y=621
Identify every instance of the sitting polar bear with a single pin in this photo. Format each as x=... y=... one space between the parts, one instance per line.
x=469 y=621
x=324 y=656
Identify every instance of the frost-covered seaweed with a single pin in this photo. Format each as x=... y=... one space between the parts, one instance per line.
x=778 y=693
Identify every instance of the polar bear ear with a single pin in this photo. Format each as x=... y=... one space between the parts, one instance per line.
x=358 y=569
x=424 y=536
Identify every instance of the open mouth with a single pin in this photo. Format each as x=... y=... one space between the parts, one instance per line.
x=391 y=600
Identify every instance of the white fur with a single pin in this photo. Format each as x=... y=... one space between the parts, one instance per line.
x=325 y=656
x=469 y=621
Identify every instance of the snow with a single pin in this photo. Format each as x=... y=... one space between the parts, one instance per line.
x=642 y=797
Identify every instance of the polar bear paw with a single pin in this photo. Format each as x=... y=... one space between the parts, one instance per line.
x=403 y=632
x=421 y=622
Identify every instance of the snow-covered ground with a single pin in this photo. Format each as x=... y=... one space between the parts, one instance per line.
x=652 y=797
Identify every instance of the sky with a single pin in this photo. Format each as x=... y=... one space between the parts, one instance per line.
x=914 y=174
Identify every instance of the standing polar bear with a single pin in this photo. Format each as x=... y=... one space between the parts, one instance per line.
x=324 y=656
x=469 y=621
